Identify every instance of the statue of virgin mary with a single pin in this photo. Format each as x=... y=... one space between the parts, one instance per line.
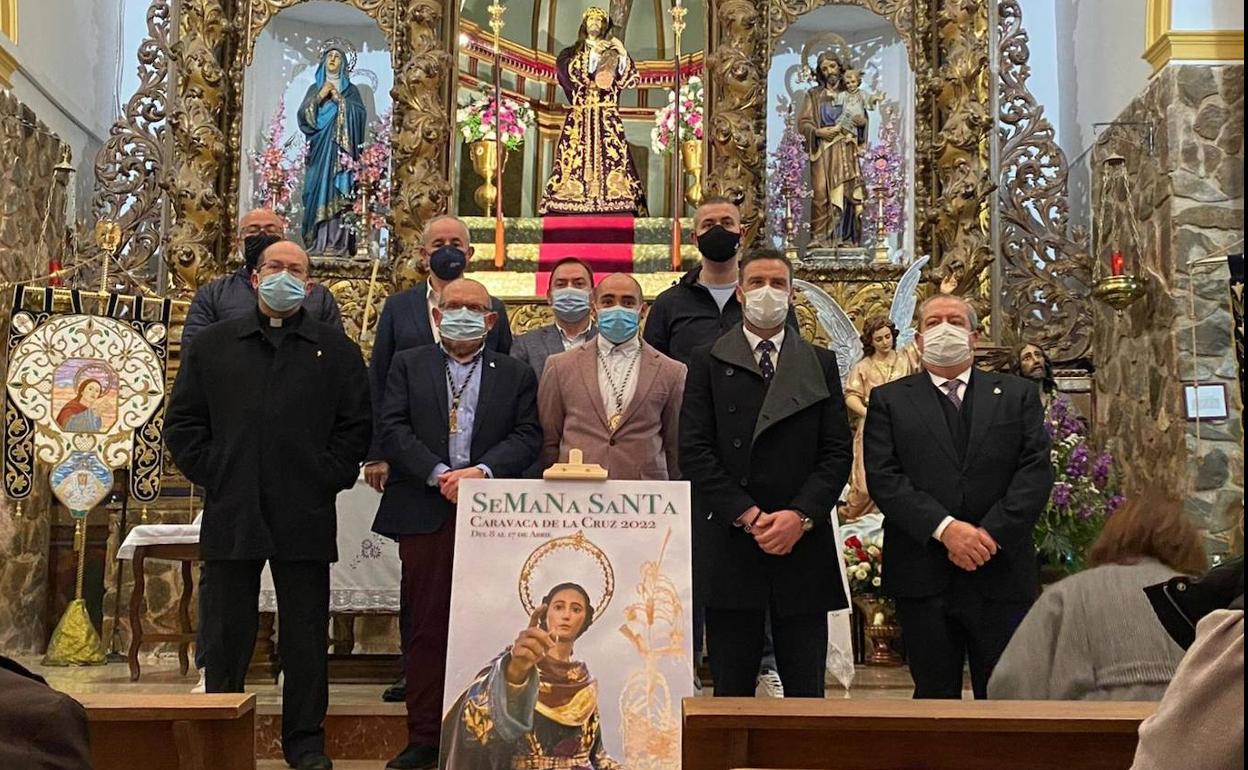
x=333 y=119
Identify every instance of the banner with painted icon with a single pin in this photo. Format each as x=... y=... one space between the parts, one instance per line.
x=570 y=641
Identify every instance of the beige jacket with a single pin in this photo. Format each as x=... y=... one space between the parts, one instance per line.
x=569 y=404
x=1200 y=721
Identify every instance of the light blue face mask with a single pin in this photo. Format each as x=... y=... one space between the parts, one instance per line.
x=619 y=324
x=462 y=324
x=282 y=292
x=570 y=304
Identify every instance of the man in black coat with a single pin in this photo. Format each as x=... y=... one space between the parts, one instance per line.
x=451 y=411
x=765 y=442
x=957 y=460
x=270 y=415
x=233 y=295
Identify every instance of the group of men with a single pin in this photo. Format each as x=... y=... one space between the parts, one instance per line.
x=273 y=414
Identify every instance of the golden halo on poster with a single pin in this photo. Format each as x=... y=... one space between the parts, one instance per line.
x=570 y=559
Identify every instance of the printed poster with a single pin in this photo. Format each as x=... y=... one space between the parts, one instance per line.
x=570 y=634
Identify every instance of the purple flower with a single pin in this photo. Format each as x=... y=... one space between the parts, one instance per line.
x=1114 y=503
x=1085 y=512
x=1101 y=468
x=1078 y=463
x=1061 y=494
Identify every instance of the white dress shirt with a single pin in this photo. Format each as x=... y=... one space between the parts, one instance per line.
x=618 y=360
x=431 y=300
x=754 y=339
x=964 y=380
x=576 y=340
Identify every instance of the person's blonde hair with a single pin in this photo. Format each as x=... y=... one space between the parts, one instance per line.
x=1151 y=525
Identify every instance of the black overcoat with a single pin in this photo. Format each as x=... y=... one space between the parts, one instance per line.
x=787 y=445
x=272 y=434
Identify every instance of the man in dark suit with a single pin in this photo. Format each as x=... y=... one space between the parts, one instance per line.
x=270 y=415
x=765 y=442
x=451 y=411
x=570 y=295
x=957 y=460
x=407 y=322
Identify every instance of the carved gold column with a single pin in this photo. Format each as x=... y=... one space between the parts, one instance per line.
x=422 y=127
x=199 y=147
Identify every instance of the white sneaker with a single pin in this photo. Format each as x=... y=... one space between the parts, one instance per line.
x=203 y=682
x=770 y=684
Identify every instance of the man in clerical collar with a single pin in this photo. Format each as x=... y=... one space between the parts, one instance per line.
x=615 y=398
x=270 y=415
x=570 y=296
x=451 y=411
x=765 y=442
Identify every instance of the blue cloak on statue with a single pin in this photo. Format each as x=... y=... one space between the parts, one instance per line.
x=334 y=125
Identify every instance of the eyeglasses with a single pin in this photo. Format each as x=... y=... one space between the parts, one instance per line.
x=253 y=230
x=297 y=271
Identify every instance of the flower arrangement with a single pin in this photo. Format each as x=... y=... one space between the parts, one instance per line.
x=1085 y=492
x=884 y=175
x=692 y=116
x=476 y=119
x=276 y=175
x=864 y=565
x=787 y=185
x=372 y=173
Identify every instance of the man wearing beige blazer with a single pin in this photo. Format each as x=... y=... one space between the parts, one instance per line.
x=616 y=398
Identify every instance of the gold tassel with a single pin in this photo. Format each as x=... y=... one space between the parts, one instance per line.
x=75 y=641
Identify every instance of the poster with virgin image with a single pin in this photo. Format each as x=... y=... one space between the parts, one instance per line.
x=570 y=636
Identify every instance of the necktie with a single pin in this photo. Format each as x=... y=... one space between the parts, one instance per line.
x=766 y=348
x=951 y=390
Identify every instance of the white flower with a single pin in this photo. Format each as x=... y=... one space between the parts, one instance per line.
x=876 y=582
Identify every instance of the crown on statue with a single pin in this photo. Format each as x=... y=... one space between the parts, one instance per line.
x=596 y=13
x=344 y=47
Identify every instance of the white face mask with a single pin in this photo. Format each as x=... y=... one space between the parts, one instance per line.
x=946 y=345
x=766 y=307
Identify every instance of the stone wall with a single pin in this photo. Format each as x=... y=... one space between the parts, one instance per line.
x=1186 y=193
x=32 y=222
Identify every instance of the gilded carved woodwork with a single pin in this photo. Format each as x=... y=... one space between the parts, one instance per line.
x=257 y=13
x=902 y=13
x=199 y=141
x=1046 y=267
x=133 y=168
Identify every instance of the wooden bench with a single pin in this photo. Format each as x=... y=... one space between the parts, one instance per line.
x=171 y=732
x=837 y=734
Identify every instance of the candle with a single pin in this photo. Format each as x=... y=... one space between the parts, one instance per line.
x=54 y=268
x=1116 y=263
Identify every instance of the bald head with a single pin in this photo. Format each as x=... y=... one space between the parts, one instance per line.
x=285 y=255
x=260 y=222
x=446 y=230
x=618 y=289
x=465 y=292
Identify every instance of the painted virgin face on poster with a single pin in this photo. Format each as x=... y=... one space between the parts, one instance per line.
x=589 y=665
x=84 y=395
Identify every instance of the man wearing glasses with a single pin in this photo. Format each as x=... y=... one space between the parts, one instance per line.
x=232 y=295
x=270 y=415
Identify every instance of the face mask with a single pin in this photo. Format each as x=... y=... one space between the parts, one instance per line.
x=618 y=324
x=282 y=292
x=766 y=307
x=946 y=345
x=571 y=305
x=448 y=263
x=718 y=244
x=253 y=246
x=462 y=325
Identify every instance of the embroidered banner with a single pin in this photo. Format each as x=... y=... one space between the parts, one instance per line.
x=599 y=570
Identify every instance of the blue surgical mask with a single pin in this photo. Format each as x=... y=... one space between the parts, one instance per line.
x=282 y=291
x=570 y=304
x=619 y=324
x=462 y=324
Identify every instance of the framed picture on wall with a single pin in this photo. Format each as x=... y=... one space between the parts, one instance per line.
x=1204 y=401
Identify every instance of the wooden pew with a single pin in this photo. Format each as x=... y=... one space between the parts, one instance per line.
x=171 y=732
x=838 y=734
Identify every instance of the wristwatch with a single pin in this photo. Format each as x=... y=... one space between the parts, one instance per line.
x=807 y=523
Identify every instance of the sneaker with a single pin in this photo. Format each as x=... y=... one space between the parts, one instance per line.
x=770 y=684
x=203 y=682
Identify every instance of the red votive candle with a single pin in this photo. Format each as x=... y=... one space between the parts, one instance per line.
x=54 y=268
x=1117 y=263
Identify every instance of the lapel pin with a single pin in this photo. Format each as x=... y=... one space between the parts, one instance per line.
x=318 y=354
x=996 y=391
x=491 y=364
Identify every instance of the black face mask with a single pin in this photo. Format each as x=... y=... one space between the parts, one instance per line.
x=254 y=246
x=448 y=263
x=718 y=244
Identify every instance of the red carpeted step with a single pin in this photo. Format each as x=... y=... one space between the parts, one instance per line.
x=605 y=242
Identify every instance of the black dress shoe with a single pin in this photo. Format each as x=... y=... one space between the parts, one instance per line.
x=313 y=760
x=415 y=757
x=397 y=692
